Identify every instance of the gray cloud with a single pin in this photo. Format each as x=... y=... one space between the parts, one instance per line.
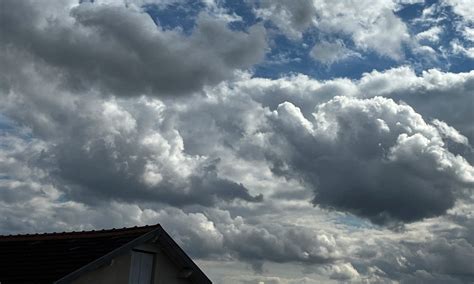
x=120 y=161
x=121 y=51
x=114 y=150
x=439 y=256
x=427 y=94
x=263 y=242
x=381 y=153
x=372 y=157
x=291 y=17
x=233 y=174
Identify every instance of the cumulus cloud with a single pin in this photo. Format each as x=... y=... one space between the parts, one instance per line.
x=286 y=180
x=344 y=272
x=372 y=25
x=386 y=137
x=118 y=150
x=291 y=17
x=361 y=155
x=356 y=151
x=450 y=132
x=155 y=161
x=425 y=93
x=121 y=51
x=278 y=243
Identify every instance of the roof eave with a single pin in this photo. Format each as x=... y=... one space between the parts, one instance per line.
x=159 y=235
x=109 y=256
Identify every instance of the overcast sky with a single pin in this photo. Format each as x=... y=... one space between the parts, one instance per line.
x=277 y=141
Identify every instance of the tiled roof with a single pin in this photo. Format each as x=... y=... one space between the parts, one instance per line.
x=45 y=258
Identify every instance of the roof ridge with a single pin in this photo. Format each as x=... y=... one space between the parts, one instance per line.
x=77 y=233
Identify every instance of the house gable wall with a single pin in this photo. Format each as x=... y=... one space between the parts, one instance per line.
x=115 y=272
x=165 y=272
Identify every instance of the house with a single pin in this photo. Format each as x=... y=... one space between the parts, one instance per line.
x=138 y=255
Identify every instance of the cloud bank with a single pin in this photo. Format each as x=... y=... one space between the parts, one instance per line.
x=110 y=119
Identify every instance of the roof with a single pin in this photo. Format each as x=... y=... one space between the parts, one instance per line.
x=62 y=257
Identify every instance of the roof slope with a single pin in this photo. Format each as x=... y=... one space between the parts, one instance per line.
x=45 y=258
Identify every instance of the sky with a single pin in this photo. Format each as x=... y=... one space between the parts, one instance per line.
x=278 y=142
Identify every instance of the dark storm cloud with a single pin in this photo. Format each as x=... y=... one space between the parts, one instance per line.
x=122 y=51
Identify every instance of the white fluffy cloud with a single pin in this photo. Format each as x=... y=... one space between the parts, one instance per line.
x=372 y=25
x=430 y=35
x=463 y=8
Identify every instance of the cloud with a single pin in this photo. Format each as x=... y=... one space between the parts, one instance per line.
x=430 y=35
x=450 y=132
x=426 y=93
x=373 y=157
x=291 y=17
x=459 y=48
x=370 y=138
x=375 y=143
x=119 y=150
x=252 y=279
x=115 y=159
x=277 y=243
x=372 y=25
x=329 y=53
x=276 y=180
x=139 y=3
x=462 y=8
x=436 y=20
x=344 y=272
x=469 y=34
x=122 y=52
x=436 y=252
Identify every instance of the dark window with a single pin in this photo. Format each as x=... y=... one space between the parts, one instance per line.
x=141 y=270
